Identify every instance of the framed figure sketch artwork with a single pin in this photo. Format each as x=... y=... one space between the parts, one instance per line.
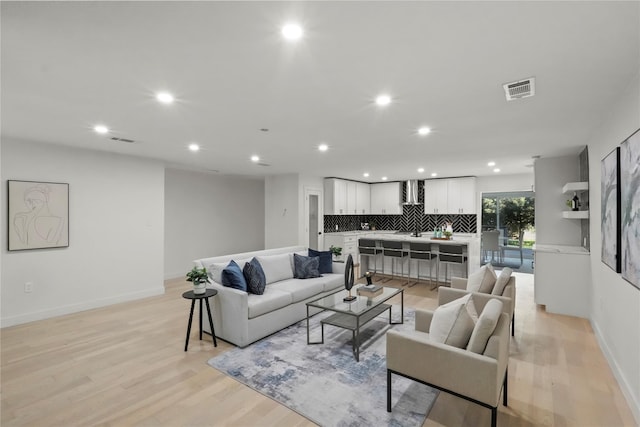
x=630 y=194
x=38 y=215
x=610 y=209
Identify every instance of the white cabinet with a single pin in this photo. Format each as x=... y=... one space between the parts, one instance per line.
x=348 y=243
x=462 y=196
x=335 y=196
x=436 y=196
x=342 y=197
x=363 y=198
x=385 y=199
x=450 y=196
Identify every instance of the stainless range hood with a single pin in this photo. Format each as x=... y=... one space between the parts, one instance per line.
x=411 y=194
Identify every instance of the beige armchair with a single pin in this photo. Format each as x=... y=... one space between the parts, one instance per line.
x=478 y=378
x=459 y=289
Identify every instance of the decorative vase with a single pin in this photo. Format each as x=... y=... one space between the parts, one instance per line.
x=199 y=288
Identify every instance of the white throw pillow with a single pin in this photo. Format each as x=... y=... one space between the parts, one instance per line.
x=482 y=280
x=276 y=267
x=502 y=281
x=485 y=326
x=215 y=271
x=453 y=322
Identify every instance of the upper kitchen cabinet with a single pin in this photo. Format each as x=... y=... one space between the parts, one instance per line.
x=342 y=197
x=363 y=198
x=450 y=196
x=335 y=196
x=385 y=199
x=462 y=196
x=436 y=196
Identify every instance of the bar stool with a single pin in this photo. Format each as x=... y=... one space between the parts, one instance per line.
x=393 y=249
x=452 y=254
x=367 y=247
x=422 y=252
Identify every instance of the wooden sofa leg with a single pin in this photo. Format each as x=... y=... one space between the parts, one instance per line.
x=388 y=390
x=494 y=417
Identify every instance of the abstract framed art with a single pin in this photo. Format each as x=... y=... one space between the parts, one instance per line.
x=610 y=209
x=38 y=215
x=630 y=205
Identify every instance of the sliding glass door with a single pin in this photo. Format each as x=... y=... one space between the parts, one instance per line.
x=512 y=214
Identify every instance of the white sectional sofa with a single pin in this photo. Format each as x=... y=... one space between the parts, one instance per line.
x=242 y=318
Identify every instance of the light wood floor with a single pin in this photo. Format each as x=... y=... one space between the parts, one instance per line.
x=125 y=365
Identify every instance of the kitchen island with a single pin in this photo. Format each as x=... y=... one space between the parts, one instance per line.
x=470 y=242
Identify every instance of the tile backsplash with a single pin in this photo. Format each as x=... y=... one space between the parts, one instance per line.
x=404 y=222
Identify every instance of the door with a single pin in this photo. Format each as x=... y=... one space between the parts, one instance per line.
x=314 y=219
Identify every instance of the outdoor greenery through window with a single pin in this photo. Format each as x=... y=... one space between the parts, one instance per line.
x=513 y=215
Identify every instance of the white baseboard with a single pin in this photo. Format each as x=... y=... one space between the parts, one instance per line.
x=74 y=308
x=634 y=403
x=171 y=276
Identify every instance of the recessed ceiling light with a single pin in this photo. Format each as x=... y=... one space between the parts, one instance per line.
x=366 y=174
x=434 y=174
x=323 y=147
x=420 y=170
x=164 y=97
x=101 y=129
x=496 y=170
x=424 y=130
x=292 y=31
x=194 y=147
x=383 y=100
x=491 y=164
x=384 y=178
x=255 y=159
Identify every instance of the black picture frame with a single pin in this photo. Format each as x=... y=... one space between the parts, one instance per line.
x=610 y=210
x=630 y=207
x=38 y=215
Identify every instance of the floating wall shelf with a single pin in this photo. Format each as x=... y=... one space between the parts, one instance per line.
x=570 y=187
x=575 y=214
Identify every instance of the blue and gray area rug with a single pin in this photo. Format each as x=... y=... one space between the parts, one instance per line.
x=323 y=382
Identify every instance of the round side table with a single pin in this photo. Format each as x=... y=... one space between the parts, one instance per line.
x=193 y=297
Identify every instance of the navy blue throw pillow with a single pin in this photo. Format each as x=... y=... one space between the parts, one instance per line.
x=305 y=267
x=326 y=263
x=254 y=275
x=232 y=277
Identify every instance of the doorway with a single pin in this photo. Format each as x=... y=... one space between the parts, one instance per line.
x=314 y=238
x=510 y=215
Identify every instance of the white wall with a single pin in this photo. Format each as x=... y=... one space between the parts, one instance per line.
x=116 y=233
x=551 y=174
x=281 y=211
x=208 y=215
x=615 y=311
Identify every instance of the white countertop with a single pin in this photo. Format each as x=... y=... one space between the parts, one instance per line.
x=461 y=238
x=561 y=249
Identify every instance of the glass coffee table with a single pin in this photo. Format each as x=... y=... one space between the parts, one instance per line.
x=354 y=314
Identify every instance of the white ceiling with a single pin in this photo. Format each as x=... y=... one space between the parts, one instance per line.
x=68 y=65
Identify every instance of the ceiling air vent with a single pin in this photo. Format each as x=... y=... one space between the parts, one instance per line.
x=115 y=138
x=520 y=89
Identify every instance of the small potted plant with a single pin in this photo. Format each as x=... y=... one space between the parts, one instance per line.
x=336 y=251
x=199 y=278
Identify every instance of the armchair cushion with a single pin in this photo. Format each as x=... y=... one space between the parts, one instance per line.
x=485 y=326
x=453 y=323
x=482 y=280
x=501 y=283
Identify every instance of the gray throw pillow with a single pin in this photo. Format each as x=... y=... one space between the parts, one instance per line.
x=306 y=267
x=254 y=276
